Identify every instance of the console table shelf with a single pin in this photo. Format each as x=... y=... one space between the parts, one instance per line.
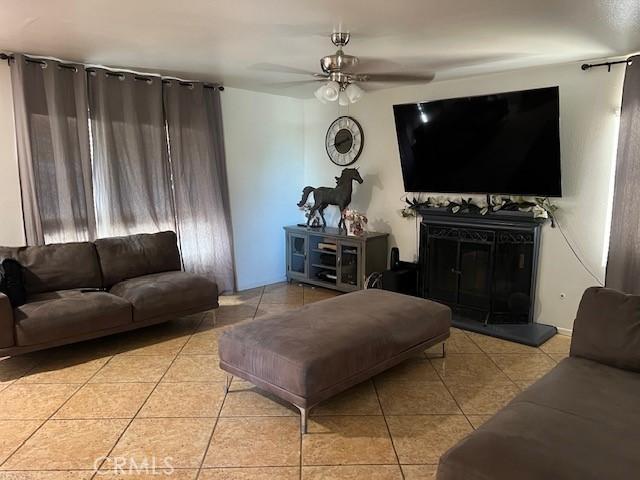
x=343 y=264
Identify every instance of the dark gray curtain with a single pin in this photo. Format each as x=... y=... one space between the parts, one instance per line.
x=50 y=103
x=130 y=162
x=196 y=147
x=623 y=266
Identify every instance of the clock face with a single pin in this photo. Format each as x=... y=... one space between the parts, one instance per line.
x=344 y=141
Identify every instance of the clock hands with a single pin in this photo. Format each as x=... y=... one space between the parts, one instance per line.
x=337 y=144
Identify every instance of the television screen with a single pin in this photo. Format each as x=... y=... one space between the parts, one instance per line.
x=506 y=143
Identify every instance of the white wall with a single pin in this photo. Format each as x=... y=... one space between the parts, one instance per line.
x=589 y=110
x=264 y=142
x=11 y=228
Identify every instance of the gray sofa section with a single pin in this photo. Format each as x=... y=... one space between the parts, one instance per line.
x=581 y=420
x=141 y=281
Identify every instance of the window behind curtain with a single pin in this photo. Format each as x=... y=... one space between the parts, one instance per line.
x=50 y=101
x=132 y=182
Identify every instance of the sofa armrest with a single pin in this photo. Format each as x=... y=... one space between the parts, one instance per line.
x=6 y=322
x=607 y=328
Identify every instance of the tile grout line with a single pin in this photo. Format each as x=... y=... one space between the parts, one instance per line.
x=213 y=430
x=144 y=402
x=27 y=371
x=512 y=380
x=50 y=417
x=252 y=467
x=322 y=415
x=444 y=359
x=250 y=416
x=486 y=354
x=393 y=445
x=215 y=423
x=80 y=385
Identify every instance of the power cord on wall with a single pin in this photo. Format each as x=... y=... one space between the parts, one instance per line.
x=573 y=250
x=566 y=239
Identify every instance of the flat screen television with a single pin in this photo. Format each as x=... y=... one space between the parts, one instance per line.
x=505 y=143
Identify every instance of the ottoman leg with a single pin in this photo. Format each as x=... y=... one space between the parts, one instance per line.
x=227 y=383
x=304 y=412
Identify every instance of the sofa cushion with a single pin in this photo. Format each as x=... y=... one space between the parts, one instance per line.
x=531 y=442
x=167 y=293
x=607 y=328
x=579 y=421
x=590 y=390
x=132 y=256
x=63 y=266
x=69 y=313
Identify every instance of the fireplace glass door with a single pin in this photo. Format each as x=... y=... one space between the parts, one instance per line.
x=459 y=266
x=475 y=280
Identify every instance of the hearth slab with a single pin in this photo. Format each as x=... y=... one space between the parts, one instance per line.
x=532 y=334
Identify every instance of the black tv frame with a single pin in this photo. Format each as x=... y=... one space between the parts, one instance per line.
x=473 y=192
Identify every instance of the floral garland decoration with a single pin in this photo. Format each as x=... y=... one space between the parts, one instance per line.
x=541 y=207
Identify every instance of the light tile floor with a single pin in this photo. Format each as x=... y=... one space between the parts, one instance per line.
x=151 y=400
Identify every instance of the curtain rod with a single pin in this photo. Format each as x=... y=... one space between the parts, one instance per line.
x=587 y=66
x=115 y=73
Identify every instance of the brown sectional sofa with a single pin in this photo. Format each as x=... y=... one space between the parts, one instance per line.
x=140 y=277
x=581 y=420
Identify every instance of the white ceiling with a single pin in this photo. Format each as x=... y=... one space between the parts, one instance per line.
x=230 y=41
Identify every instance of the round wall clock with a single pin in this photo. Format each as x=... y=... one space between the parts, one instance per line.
x=344 y=141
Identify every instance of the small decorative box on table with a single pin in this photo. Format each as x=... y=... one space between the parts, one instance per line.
x=327 y=257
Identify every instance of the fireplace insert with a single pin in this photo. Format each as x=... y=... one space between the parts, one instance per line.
x=483 y=267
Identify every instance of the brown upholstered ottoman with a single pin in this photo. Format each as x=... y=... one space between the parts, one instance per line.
x=310 y=354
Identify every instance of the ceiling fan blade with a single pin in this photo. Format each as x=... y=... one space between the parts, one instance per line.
x=297 y=83
x=395 y=77
x=273 y=67
x=374 y=65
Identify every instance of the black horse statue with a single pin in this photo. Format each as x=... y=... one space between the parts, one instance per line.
x=325 y=196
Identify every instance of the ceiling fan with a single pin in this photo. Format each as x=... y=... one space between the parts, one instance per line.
x=342 y=74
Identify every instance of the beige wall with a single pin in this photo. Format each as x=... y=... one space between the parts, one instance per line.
x=11 y=230
x=589 y=105
x=264 y=142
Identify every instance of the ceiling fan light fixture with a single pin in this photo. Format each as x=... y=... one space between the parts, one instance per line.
x=354 y=93
x=331 y=91
x=319 y=94
x=343 y=99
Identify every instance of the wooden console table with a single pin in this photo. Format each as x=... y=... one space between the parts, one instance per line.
x=329 y=258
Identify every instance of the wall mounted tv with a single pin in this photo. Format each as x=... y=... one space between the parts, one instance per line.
x=505 y=143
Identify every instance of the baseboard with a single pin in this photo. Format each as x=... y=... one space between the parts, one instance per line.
x=564 y=331
x=261 y=283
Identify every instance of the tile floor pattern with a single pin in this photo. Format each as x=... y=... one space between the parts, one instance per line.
x=140 y=399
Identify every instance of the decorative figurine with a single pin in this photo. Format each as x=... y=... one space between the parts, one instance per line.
x=325 y=196
x=357 y=221
x=306 y=208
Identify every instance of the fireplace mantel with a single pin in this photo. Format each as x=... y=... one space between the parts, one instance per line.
x=501 y=217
